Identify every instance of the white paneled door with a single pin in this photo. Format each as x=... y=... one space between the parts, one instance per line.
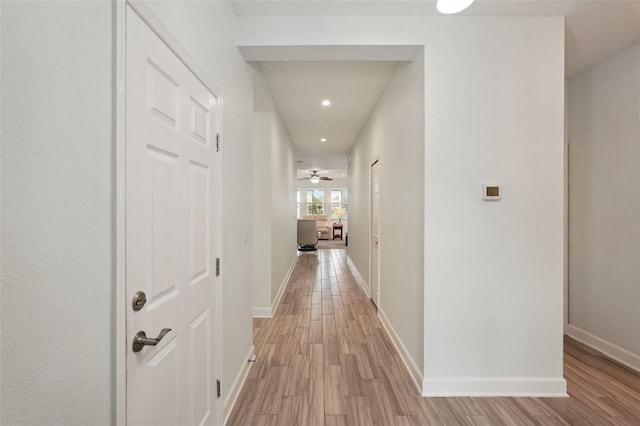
x=375 y=234
x=171 y=235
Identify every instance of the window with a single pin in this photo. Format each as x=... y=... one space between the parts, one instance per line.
x=298 y=202
x=315 y=201
x=338 y=200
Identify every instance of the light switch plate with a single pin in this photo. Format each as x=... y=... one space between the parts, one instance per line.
x=491 y=192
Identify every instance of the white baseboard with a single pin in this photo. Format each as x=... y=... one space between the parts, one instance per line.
x=236 y=387
x=283 y=286
x=262 y=312
x=358 y=277
x=268 y=311
x=494 y=386
x=408 y=361
x=610 y=350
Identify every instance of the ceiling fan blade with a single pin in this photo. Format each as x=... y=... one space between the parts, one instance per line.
x=325 y=178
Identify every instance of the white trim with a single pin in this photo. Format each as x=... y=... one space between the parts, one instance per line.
x=217 y=190
x=147 y=14
x=567 y=225
x=494 y=386
x=120 y=101
x=357 y=276
x=332 y=53
x=373 y=162
x=268 y=311
x=263 y=312
x=234 y=390
x=283 y=286
x=153 y=21
x=409 y=362
x=608 y=349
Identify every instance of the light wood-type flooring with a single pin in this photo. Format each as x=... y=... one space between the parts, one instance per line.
x=324 y=359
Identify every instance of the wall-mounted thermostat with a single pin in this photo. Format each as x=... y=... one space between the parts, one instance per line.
x=490 y=192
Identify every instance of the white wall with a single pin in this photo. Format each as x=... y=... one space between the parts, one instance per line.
x=261 y=272
x=493 y=272
x=283 y=184
x=398 y=117
x=274 y=214
x=57 y=172
x=57 y=218
x=604 y=241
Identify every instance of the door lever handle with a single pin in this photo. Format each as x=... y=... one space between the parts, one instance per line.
x=141 y=340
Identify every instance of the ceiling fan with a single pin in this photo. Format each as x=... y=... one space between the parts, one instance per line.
x=315 y=177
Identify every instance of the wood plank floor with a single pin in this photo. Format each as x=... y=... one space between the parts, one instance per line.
x=324 y=359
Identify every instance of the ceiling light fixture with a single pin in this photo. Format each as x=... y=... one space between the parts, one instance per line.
x=449 y=7
x=326 y=102
x=315 y=179
x=323 y=140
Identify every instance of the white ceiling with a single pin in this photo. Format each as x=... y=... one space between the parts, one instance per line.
x=298 y=89
x=598 y=32
x=595 y=30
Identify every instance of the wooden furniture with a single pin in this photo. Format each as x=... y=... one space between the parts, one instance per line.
x=337 y=231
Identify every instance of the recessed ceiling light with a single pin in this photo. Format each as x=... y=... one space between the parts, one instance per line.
x=323 y=140
x=449 y=7
x=326 y=102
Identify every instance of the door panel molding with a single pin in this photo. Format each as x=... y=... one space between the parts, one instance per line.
x=147 y=14
x=120 y=304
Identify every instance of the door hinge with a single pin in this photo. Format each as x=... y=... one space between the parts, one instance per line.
x=218 y=388
x=217 y=266
x=217 y=142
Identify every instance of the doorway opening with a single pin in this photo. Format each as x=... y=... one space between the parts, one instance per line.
x=375 y=234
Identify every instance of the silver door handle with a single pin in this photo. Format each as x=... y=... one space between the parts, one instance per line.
x=141 y=340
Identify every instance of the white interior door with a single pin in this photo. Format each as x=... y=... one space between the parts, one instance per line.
x=375 y=234
x=171 y=234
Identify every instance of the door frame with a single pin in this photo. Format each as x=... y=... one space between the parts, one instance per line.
x=119 y=303
x=376 y=160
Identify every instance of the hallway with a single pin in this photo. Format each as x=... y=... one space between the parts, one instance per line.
x=324 y=359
